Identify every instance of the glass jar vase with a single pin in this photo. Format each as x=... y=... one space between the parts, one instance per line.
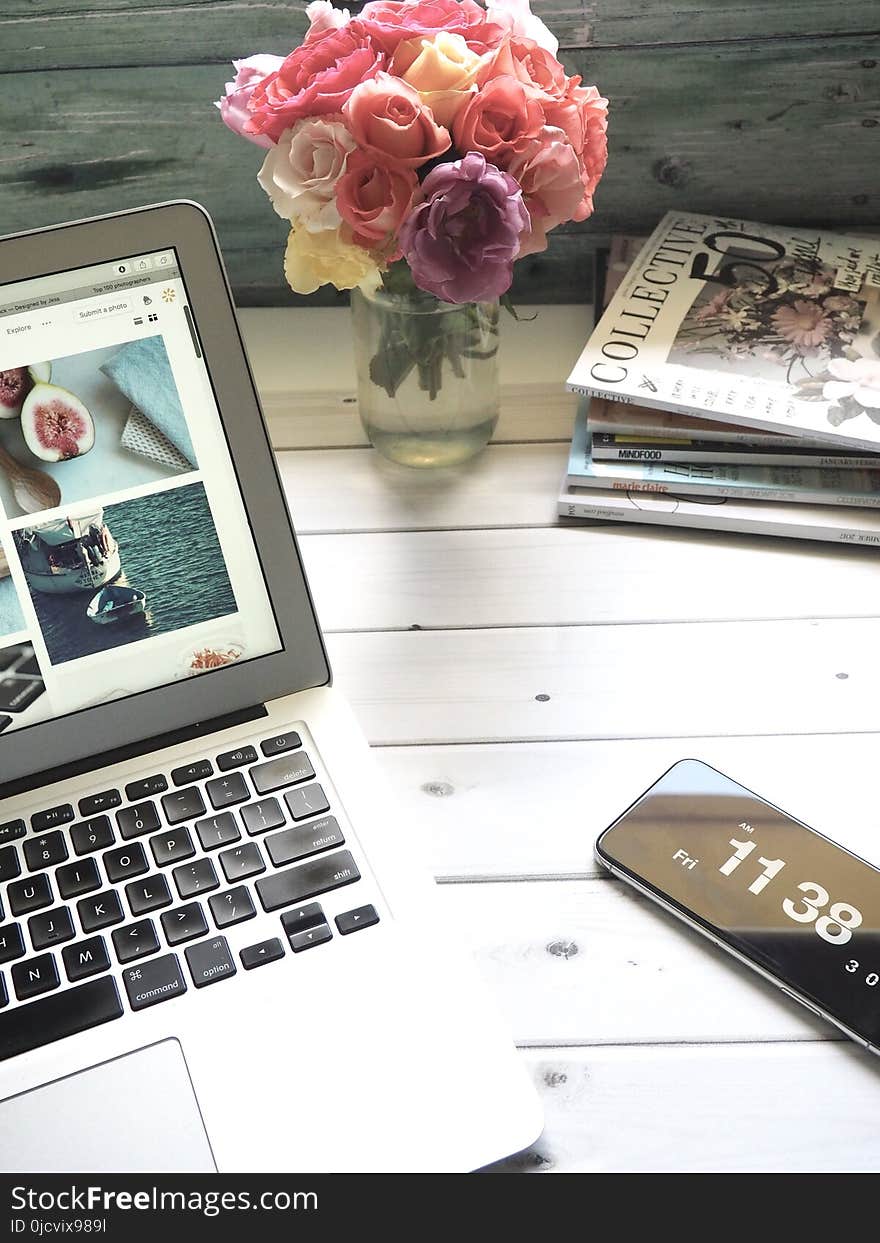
x=427 y=375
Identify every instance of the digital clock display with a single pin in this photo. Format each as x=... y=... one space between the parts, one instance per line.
x=776 y=891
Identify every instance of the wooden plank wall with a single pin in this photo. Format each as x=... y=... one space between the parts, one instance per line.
x=735 y=106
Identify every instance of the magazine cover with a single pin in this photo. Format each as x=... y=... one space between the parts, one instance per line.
x=751 y=324
x=767 y=483
x=834 y=524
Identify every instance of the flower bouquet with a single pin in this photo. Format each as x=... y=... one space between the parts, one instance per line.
x=418 y=150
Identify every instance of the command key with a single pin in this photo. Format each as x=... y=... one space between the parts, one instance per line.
x=151 y=982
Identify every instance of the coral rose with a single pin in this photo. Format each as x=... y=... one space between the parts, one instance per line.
x=373 y=200
x=499 y=121
x=390 y=22
x=442 y=70
x=233 y=106
x=315 y=80
x=325 y=258
x=387 y=117
x=460 y=243
x=549 y=173
x=300 y=173
x=524 y=59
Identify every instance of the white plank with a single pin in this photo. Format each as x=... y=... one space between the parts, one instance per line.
x=526 y=810
x=639 y=681
x=593 y=962
x=304 y=367
x=357 y=490
x=562 y=576
x=764 y=1108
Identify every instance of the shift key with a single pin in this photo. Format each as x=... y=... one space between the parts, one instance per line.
x=308 y=880
x=151 y=982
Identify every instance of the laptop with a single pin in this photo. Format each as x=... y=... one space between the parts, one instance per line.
x=218 y=950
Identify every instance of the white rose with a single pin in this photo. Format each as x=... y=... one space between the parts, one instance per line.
x=323 y=16
x=300 y=173
x=524 y=22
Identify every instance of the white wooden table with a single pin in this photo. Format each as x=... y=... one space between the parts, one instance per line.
x=522 y=682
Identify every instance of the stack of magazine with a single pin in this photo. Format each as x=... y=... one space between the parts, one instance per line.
x=733 y=383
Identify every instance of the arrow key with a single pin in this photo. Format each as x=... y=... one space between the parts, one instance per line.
x=311 y=937
x=264 y=951
x=353 y=921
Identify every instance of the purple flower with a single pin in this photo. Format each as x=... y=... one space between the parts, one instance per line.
x=234 y=104
x=461 y=242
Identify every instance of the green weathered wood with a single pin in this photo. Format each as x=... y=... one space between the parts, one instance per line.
x=100 y=33
x=779 y=131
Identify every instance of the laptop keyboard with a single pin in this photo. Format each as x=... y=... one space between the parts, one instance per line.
x=129 y=899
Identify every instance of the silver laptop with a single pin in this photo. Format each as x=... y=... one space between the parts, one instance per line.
x=216 y=948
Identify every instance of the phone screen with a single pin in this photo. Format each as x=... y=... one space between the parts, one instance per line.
x=799 y=906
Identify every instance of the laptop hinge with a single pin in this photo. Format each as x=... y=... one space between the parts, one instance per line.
x=172 y=738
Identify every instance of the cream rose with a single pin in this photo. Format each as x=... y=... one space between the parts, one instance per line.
x=325 y=258
x=300 y=173
x=442 y=69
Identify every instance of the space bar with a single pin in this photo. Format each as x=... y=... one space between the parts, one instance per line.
x=63 y=1014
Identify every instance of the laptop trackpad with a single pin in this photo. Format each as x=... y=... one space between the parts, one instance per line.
x=137 y=1113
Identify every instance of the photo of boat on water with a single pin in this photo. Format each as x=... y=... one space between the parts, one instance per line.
x=107 y=576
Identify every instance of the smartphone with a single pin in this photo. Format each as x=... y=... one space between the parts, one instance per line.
x=793 y=905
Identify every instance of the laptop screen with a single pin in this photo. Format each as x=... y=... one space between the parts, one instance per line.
x=127 y=560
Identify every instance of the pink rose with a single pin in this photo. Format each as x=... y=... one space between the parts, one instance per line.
x=583 y=114
x=301 y=170
x=549 y=173
x=315 y=80
x=386 y=116
x=234 y=104
x=391 y=21
x=373 y=200
x=524 y=59
x=524 y=22
x=499 y=121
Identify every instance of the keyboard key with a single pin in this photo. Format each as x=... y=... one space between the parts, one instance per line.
x=210 y=961
x=10 y=864
x=307 y=880
x=264 y=951
x=78 y=878
x=281 y=743
x=152 y=982
x=91 y=835
x=183 y=805
x=16 y=694
x=239 y=862
x=172 y=847
x=93 y=803
x=146 y=787
x=85 y=958
x=218 y=830
x=135 y=940
x=224 y=791
x=148 y=894
x=307 y=839
x=34 y=976
x=232 y=907
x=184 y=923
x=235 y=759
x=51 y=927
x=353 y=921
x=42 y=852
x=125 y=863
x=195 y=878
x=4 y=996
x=318 y=935
x=11 y=942
x=133 y=821
x=303 y=917
x=53 y=1018
x=30 y=894
x=262 y=816
x=197 y=770
x=13 y=829
x=51 y=817
x=287 y=770
x=309 y=801
x=99 y=911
